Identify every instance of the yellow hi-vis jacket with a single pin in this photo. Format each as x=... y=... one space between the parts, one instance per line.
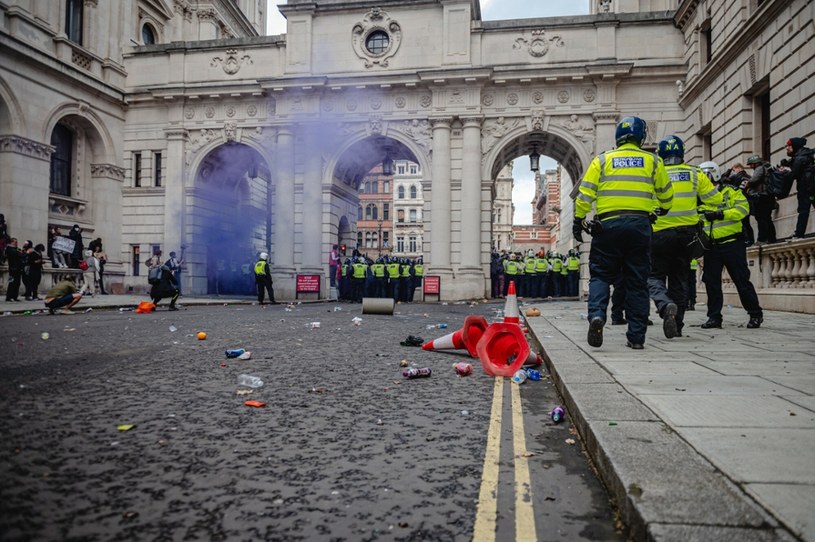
x=360 y=270
x=378 y=269
x=393 y=270
x=557 y=264
x=418 y=269
x=625 y=179
x=541 y=266
x=689 y=182
x=735 y=208
x=510 y=267
x=574 y=263
x=530 y=265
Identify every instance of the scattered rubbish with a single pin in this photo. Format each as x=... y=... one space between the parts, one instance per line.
x=313 y=325
x=379 y=421
x=548 y=498
x=793 y=414
x=412 y=340
x=519 y=377
x=436 y=326
x=321 y=389
x=223 y=364
x=413 y=372
x=27 y=313
x=337 y=309
x=125 y=427
x=235 y=352
x=126 y=309
x=145 y=307
x=532 y=311
x=287 y=309
x=357 y=321
x=526 y=454
x=45 y=335
x=249 y=381
x=71 y=329
x=635 y=490
x=89 y=309
x=245 y=355
x=463 y=369
x=129 y=515
x=557 y=414
x=256 y=404
x=404 y=363
x=612 y=423
x=243 y=392
x=533 y=374
x=681 y=389
x=570 y=441
x=173 y=329
x=202 y=336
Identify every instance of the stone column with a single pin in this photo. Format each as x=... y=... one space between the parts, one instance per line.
x=284 y=203
x=312 y=204
x=471 y=196
x=440 y=197
x=107 y=207
x=174 y=184
x=24 y=180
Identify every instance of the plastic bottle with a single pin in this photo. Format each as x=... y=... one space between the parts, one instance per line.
x=519 y=377
x=558 y=414
x=235 y=352
x=533 y=374
x=463 y=369
x=249 y=381
x=442 y=326
x=413 y=372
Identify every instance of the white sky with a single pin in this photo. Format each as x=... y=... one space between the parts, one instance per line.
x=524 y=187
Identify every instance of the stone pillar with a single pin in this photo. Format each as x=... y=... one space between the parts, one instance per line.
x=605 y=123
x=174 y=184
x=107 y=207
x=284 y=203
x=24 y=180
x=440 y=197
x=471 y=196
x=312 y=204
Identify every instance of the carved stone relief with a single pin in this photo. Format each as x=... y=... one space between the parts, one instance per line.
x=231 y=64
x=376 y=20
x=512 y=98
x=538 y=44
x=563 y=96
x=426 y=101
x=537 y=97
x=419 y=131
x=197 y=141
x=589 y=95
x=400 y=102
x=231 y=130
x=189 y=113
x=494 y=129
x=583 y=131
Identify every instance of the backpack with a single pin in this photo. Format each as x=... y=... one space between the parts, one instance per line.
x=778 y=184
x=154 y=275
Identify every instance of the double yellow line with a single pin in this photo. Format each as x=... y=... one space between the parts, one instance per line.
x=487 y=513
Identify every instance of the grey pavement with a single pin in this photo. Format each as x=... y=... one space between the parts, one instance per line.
x=121 y=301
x=709 y=436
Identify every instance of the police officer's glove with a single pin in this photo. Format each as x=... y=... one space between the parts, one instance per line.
x=577 y=229
x=595 y=227
x=659 y=211
x=710 y=216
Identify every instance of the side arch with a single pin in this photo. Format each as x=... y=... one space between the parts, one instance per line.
x=102 y=134
x=16 y=118
x=202 y=153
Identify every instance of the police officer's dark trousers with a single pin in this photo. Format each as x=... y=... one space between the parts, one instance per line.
x=732 y=256
x=670 y=267
x=622 y=249
x=265 y=285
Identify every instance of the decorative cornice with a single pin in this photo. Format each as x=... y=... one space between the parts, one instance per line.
x=472 y=122
x=441 y=122
x=26 y=147
x=108 y=171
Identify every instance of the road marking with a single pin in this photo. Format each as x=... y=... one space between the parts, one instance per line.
x=524 y=513
x=487 y=512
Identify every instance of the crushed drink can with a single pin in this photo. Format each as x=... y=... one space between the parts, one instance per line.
x=235 y=352
x=413 y=372
x=533 y=374
x=558 y=414
x=463 y=369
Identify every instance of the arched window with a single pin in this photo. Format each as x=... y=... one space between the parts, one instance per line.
x=413 y=191
x=368 y=212
x=401 y=192
x=62 y=138
x=386 y=211
x=359 y=239
x=374 y=212
x=148 y=36
x=73 y=20
x=359 y=213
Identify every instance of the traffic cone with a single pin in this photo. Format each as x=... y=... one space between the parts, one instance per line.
x=503 y=349
x=465 y=338
x=511 y=313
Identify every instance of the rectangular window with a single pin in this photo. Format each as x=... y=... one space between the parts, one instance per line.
x=387 y=187
x=73 y=20
x=533 y=235
x=401 y=170
x=359 y=239
x=412 y=215
x=157 y=168
x=62 y=160
x=386 y=211
x=400 y=216
x=761 y=111
x=705 y=43
x=385 y=239
x=400 y=244
x=136 y=258
x=137 y=169
x=412 y=244
x=413 y=170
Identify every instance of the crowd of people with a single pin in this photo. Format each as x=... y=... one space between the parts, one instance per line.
x=388 y=276
x=538 y=274
x=655 y=214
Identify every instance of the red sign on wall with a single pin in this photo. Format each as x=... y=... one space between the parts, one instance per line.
x=432 y=285
x=308 y=283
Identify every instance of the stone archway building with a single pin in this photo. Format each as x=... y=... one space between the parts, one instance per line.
x=350 y=84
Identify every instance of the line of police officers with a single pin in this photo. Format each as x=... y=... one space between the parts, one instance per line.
x=650 y=209
x=387 y=276
x=537 y=274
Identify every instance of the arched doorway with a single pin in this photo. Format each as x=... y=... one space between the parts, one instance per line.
x=229 y=220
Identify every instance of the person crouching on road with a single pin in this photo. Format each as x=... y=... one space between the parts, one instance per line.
x=63 y=296
x=723 y=226
x=263 y=279
x=165 y=287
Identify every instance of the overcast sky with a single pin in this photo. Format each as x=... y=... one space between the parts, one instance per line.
x=524 y=186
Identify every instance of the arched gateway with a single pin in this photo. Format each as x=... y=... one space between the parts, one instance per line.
x=288 y=127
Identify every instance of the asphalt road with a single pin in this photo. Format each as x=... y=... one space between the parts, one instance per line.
x=345 y=448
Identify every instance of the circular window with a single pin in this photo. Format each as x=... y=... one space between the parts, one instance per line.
x=377 y=42
x=148 y=37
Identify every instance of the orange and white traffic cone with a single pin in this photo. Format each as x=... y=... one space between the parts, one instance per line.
x=503 y=350
x=511 y=313
x=465 y=338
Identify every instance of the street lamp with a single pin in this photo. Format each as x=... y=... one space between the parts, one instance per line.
x=534 y=160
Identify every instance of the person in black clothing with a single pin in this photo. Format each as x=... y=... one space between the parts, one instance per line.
x=4 y=238
x=14 y=258
x=801 y=167
x=165 y=287
x=76 y=256
x=263 y=279
x=761 y=202
x=32 y=270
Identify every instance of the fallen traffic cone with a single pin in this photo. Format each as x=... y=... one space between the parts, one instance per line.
x=503 y=349
x=465 y=338
x=511 y=314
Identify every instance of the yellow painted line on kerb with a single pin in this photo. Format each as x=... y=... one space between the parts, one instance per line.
x=487 y=513
x=524 y=513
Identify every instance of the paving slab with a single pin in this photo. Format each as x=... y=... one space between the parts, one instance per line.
x=767 y=366
x=802 y=401
x=650 y=367
x=802 y=383
x=705 y=533
x=709 y=384
x=727 y=411
x=608 y=402
x=794 y=503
